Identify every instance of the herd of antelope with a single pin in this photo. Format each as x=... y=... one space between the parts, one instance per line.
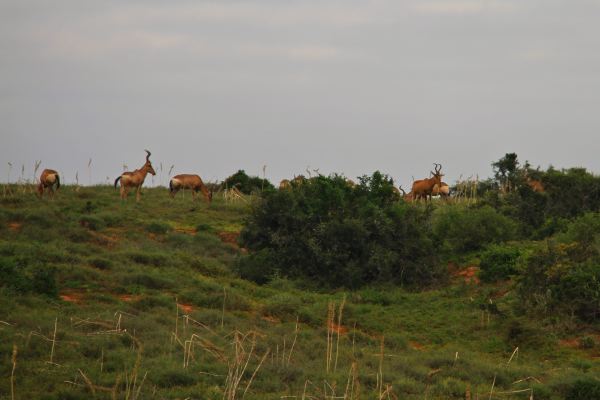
x=422 y=189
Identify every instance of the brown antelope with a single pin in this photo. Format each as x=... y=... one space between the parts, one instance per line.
x=48 y=179
x=442 y=190
x=285 y=184
x=535 y=185
x=135 y=179
x=422 y=189
x=406 y=196
x=188 y=181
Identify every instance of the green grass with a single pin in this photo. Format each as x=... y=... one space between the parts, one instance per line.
x=125 y=265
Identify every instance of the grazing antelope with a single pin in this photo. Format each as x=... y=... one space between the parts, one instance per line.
x=135 y=179
x=422 y=189
x=406 y=196
x=442 y=190
x=48 y=179
x=189 y=181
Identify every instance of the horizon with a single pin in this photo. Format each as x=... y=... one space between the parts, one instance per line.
x=348 y=87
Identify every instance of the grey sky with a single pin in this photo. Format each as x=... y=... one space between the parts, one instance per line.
x=343 y=86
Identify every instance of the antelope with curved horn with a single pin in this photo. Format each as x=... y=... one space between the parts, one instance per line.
x=422 y=189
x=406 y=196
x=189 y=181
x=135 y=179
x=48 y=179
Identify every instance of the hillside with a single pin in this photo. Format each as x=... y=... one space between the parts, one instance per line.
x=105 y=299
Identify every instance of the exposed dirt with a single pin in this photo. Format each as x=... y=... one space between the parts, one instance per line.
x=186 y=308
x=14 y=226
x=229 y=237
x=128 y=297
x=72 y=297
x=416 y=345
x=342 y=330
x=469 y=273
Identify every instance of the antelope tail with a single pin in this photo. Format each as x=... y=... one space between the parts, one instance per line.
x=116 y=181
x=171 y=185
x=57 y=181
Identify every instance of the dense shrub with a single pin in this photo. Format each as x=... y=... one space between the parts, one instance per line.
x=555 y=280
x=584 y=389
x=463 y=229
x=247 y=184
x=498 y=262
x=337 y=235
x=23 y=277
x=158 y=227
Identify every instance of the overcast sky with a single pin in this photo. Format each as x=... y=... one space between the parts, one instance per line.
x=343 y=86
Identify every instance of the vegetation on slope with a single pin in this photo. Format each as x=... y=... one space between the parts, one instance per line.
x=104 y=299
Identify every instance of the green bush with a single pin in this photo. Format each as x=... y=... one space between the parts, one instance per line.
x=555 y=280
x=336 y=235
x=23 y=277
x=584 y=389
x=92 y=222
x=463 y=229
x=498 y=262
x=247 y=184
x=158 y=227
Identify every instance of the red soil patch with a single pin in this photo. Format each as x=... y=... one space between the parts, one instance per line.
x=14 y=226
x=229 y=237
x=72 y=297
x=469 y=274
x=128 y=297
x=339 y=329
x=186 y=308
x=416 y=345
x=570 y=343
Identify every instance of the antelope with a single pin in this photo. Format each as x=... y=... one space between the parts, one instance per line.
x=48 y=179
x=189 y=181
x=406 y=196
x=535 y=185
x=422 y=189
x=135 y=179
x=285 y=184
x=443 y=190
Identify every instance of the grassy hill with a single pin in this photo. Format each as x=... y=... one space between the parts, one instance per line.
x=106 y=299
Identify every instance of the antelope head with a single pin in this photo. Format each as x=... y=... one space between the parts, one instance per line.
x=148 y=164
x=437 y=175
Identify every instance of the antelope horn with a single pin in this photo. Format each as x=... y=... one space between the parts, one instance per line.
x=148 y=156
x=438 y=167
x=402 y=190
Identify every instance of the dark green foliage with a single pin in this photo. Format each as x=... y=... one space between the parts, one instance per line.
x=101 y=263
x=247 y=184
x=336 y=235
x=148 y=258
x=22 y=276
x=174 y=377
x=584 y=389
x=464 y=229
x=92 y=222
x=498 y=262
x=556 y=280
x=158 y=227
